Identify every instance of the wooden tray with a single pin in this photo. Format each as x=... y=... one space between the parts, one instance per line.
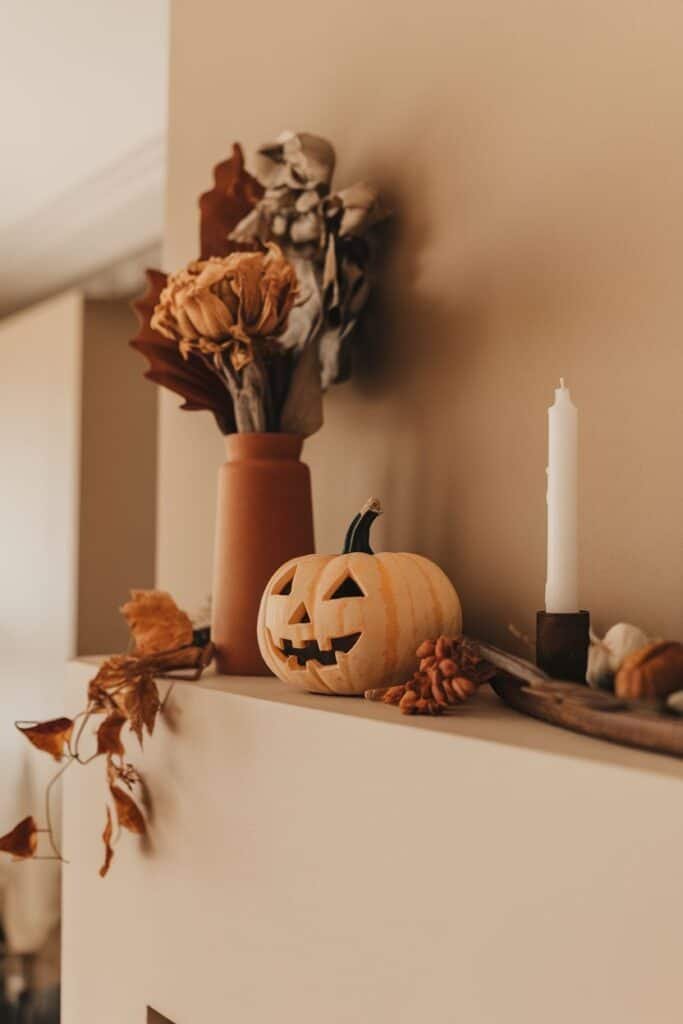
x=592 y=712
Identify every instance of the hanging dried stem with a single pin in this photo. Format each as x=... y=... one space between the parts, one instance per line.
x=123 y=692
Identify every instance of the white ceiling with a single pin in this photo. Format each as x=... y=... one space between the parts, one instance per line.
x=83 y=87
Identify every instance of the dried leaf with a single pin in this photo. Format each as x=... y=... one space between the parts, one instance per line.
x=148 y=696
x=109 y=734
x=156 y=622
x=358 y=208
x=297 y=161
x=112 y=673
x=125 y=773
x=106 y=839
x=139 y=702
x=128 y=812
x=48 y=736
x=22 y=841
x=234 y=194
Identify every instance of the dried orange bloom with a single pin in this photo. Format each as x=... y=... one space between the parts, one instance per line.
x=226 y=302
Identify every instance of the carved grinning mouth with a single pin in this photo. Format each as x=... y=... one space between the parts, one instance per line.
x=312 y=652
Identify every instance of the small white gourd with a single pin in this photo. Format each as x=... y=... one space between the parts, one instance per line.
x=606 y=656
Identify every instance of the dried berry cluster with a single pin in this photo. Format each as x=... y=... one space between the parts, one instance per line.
x=450 y=671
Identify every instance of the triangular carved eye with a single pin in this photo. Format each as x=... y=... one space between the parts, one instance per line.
x=347 y=588
x=283 y=587
x=299 y=616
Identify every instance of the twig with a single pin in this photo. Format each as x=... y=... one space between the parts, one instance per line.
x=81 y=714
x=164 y=702
x=48 y=816
x=86 y=715
x=522 y=637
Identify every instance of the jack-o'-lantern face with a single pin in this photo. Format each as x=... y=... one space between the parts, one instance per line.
x=314 y=618
x=347 y=623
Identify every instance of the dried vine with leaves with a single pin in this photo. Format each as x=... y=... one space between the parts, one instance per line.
x=124 y=692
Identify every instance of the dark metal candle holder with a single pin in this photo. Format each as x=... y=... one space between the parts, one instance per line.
x=562 y=641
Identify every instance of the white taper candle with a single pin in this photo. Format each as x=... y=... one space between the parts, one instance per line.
x=562 y=579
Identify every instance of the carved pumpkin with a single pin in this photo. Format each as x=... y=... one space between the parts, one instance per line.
x=351 y=622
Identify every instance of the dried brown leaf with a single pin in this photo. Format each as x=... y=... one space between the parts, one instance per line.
x=138 y=700
x=109 y=734
x=108 y=850
x=156 y=622
x=127 y=774
x=148 y=695
x=22 y=841
x=48 y=736
x=234 y=195
x=111 y=675
x=128 y=812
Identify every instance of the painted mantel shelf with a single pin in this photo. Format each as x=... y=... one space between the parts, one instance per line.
x=324 y=860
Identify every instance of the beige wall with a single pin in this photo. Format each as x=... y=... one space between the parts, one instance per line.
x=318 y=861
x=534 y=156
x=40 y=405
x=77 y=521
x=40 y=401
x=118 y=477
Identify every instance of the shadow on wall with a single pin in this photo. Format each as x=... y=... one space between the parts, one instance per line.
x=445 y=419
x=118 y=477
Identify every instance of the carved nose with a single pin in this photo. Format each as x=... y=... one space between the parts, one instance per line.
x=299 y=615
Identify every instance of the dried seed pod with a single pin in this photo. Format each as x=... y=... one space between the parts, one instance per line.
x=408 y=702
x=433 y=674
x=451 y=695
x=463 y=687
x=438 y=693
x=379 y=693
x=426 y=649
x=442 y=647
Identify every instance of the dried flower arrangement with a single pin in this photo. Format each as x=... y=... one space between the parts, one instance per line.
x=125 y=692
x=260 y=325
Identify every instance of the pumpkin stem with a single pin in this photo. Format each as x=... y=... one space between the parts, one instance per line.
x=358 y=534
x=349 y=533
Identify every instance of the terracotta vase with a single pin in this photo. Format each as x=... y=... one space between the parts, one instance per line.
x=264 y=517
